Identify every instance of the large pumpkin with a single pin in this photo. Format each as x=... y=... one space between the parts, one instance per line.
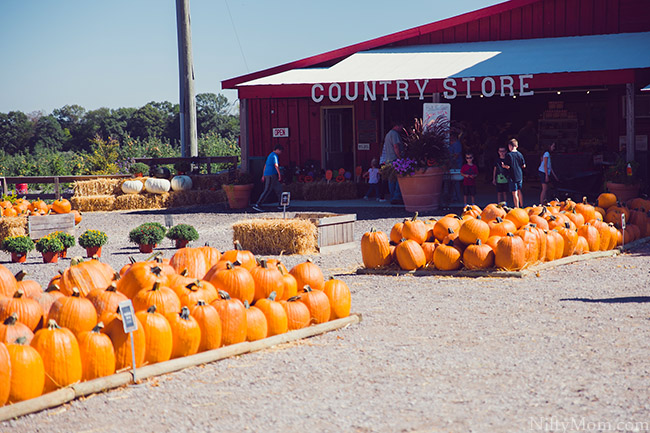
x=210 y=323
x=27 y=372
x=375 y=249
x=97 y=353
x=191 y=259
x=74 y=312
x=8 y=283
x=256 y=326
x=28 y=310
x=478 y=256
x=410 y=255
x=122 y=343
x=5 y=374
x=233 y=318
x=339 y=296
x=164 y=298
x=267 y=280
x=236 y=281
x=298 y=316
x=85 y=276
x=12 y=329
x=181 y=183
x=186 y=333
x=61 y=357
x=447 y=257
x=474 y=229
x=158 y=335
x=61 y=205
x=510 y=253
x=276 y=316
x=307 y=273
x=415 y=229
x=132 y=186
x=156 y=185
x=318 y=304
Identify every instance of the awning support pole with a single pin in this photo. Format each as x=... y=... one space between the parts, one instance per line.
x=630 y=137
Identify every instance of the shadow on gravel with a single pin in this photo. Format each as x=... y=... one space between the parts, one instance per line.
x=622 y=300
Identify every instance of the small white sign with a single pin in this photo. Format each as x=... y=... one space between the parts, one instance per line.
x=280 y=132
x=285 y=199
x=623 y=221
x=363 y=146
x=128 y=316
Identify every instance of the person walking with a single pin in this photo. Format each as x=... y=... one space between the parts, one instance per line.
x=499 y=176
x=392 y=150
x=271 y=177
x=545 y=171
x=515 y=164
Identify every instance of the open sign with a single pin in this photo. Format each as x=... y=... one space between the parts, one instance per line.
x=280 y=132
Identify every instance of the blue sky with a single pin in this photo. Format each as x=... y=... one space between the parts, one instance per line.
x=123 y=53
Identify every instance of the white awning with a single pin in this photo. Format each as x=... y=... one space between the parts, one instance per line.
x=646 y=88
x=479 y=59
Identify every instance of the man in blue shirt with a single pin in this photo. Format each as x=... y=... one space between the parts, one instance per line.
x=271 y=177
x=515 y=164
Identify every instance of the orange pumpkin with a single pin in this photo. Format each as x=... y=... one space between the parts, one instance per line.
x=307 y=273
x=339 y=296
x=210 y=324
x=186 y=333
x=27 y=372
x=97 y=353
x=233 y=318
x=375 y=249
x=61 y=205
x=257 y=328
x=59 y=350
x=276 y=316
x=158 y=335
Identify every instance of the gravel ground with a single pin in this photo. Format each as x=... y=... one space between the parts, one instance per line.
x=564 y=351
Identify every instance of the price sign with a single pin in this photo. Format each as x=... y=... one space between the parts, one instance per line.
x=169 y=220
x=285 y=199
x=623 y=221
x=128 y=316
x=280 y=132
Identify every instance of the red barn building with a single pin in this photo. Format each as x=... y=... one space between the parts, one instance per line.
x=570 y=69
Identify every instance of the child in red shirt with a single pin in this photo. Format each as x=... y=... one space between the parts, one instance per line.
x=469 y=171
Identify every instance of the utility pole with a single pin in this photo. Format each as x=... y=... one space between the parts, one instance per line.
x=189 y=146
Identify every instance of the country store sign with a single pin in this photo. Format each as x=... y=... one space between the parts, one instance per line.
x=504 y=85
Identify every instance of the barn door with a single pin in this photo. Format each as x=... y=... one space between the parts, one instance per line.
x=338 y=139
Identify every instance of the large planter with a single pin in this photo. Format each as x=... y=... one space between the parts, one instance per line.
x=181 y=243
x=238 y=195
x=622 y=191
x=421 y=191
x=18 y=257
x=146 y=248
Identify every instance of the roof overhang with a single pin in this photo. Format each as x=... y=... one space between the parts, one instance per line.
x=567 y=56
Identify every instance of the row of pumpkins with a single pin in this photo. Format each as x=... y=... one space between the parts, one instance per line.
x=509 y=239
x=157 y=185
x=72 y=331
x=22 y=206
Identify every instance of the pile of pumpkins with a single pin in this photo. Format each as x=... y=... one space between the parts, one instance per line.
x=508 y=239
x=156 y=185
x=199 y=300
x=23 y=207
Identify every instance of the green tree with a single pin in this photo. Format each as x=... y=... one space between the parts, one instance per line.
x=71 y=118
x=105 y=123
x=48 y=134
x=15 y=131
x=213 y=115
x=152 y=120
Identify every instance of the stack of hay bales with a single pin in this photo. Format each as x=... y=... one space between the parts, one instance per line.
x=277 y=236
x=13 y=226
x=107 y=195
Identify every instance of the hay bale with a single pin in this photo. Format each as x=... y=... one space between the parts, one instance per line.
x=296 y=190
x=192 y=197
x=93 y=203
x=13 y=226
x=95 y=187
x=276 y=236
x=208 y=181
x=141 y=201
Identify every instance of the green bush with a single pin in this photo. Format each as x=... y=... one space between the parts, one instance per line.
x=49 y=244
x=147 y=234
x=18 y=244
x=92 y=238
x=66 y=239
x=183 y=232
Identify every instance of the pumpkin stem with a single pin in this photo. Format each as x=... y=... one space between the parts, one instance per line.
x=294 y=298
x=20 y=275
x=75 y=292
x=415 y=216
x=201 y=303
x=156 y=286
x=51 y=324
x=185 y=313
x=98 y=327
x=247 y=305
x=184 y=272
x=263 y=263
x=19 y=293
x=478 y=242
x=450 y=230
x=237 y=245
x=117 y=276
x=228 y=265
x=224 y=295
x=112 y=287
x=151 y=309
x=307 y=288
x=21 y=340
x=236 y=263
x=272 y=296
x=194 y=286
x=11 y=320
x=131 y=259
x=52 y=287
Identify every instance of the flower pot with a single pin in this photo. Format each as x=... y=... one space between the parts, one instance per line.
x=93 y=251
x=238 y=195
x=421 y=191
x=63 y=254
x=50 y=257
x=181 y=243
x=18 y=257
x=622 y=191
x=146 y=248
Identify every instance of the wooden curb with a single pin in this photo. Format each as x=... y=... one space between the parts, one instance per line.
x=69 y=393
x=505 y=274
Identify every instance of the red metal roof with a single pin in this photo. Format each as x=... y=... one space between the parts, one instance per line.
x=394 y=38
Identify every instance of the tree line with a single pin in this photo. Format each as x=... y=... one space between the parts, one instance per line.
x=64 y=141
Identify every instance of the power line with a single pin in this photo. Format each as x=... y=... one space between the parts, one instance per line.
x=236 y=35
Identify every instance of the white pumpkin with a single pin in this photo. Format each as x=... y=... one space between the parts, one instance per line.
x=181 y=183
x=157 y=186
x=132 y=186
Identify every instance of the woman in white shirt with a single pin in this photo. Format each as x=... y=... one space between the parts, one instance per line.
x=545 y=171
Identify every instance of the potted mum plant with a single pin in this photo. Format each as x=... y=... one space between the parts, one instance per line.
x=92 y=241
x=182 y=234
x=147 y=236
x=238 y=188
x=623 y=183
x=18 y=246
x=49 y=246
x=138 y=169
x=421 y=168
x=67 y=240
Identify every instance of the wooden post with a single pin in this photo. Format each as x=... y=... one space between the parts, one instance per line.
x=189 y=146
x=243 y=133
x=57 y=192
x=630 y=134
